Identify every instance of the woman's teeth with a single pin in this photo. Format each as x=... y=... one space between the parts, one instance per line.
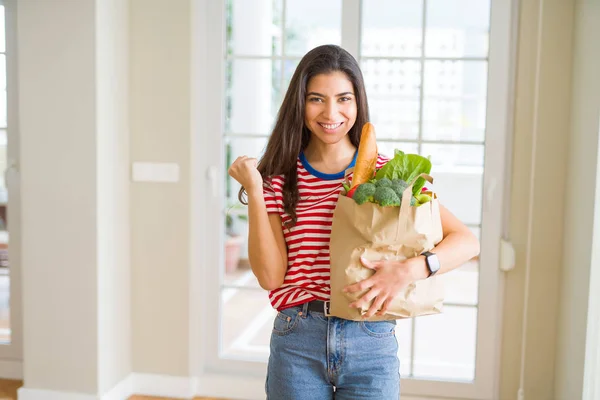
x=330 y=126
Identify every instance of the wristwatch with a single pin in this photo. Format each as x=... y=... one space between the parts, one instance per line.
x=432 y=261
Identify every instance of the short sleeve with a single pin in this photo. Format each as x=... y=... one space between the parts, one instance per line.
x=273 y=196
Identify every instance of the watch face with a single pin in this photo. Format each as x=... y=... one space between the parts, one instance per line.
x=433 y=263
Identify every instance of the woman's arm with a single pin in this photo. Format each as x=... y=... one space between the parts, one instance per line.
x=458 y=246
x=267 y=250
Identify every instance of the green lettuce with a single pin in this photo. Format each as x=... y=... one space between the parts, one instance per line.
x=406 y=167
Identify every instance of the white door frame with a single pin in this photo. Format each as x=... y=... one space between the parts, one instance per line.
x=11 y=355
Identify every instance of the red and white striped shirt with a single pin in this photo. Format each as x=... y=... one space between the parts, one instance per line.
x=307 y=276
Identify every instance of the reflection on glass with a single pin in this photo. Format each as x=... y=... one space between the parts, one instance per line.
x=457 y=28
x=392 y=28
x=311 y=23
x=447 y=356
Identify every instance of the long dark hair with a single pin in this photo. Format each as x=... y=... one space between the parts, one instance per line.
x=290 y=135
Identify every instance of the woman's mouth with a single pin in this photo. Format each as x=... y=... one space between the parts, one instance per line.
x=330 y=128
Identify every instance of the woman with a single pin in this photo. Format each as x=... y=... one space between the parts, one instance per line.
x=291 y=196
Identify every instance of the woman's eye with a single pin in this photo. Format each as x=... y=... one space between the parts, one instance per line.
x=315 y=99
x=345 y=98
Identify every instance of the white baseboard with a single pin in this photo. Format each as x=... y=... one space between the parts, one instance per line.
x=11 y=369
x=142 y=384
x=122 y=391
x=38 y=394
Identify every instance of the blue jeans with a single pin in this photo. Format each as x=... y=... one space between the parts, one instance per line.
x=315 y=357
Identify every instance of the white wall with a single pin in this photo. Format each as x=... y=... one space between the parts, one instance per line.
x=581 y=228
x=74 y=155
x=160 y=57
x=57 y=92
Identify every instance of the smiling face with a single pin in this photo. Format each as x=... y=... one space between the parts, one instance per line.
x=330 y=108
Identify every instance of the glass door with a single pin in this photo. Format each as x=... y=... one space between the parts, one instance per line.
x=434 y=88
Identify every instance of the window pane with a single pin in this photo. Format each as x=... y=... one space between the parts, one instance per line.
x=3 y=109
x=2 y=72
x=387 y=148
x=457 y=28
x=235 y=213
x=234 y=148
x=253 y=90
x=445 y=344
x=311 y=23
x=404 y=336
x=454 y=155
x=2 y=30
x=289 y=69
x=454 y=106
x=392 y=28
x=246 y=324
x=393 y=90
x=462 y=284
x=456 y=79
x=459 y=186
x=254 y=27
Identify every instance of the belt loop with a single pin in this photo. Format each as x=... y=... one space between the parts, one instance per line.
x=305 y=309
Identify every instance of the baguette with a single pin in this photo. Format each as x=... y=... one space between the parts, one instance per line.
x=366 y=161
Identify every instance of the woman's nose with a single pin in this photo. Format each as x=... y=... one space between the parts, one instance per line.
x=331 y=109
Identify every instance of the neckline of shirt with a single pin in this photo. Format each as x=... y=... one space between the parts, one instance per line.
x=323 y=175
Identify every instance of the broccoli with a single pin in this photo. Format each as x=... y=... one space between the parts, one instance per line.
x=385 y=196
x=383 y=182
x=399 y=186
x=364 y=193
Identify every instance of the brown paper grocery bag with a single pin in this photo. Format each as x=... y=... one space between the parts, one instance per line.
x=394 y=233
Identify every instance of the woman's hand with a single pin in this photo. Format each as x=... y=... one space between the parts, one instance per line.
x=244 y=170
x=389 y=279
